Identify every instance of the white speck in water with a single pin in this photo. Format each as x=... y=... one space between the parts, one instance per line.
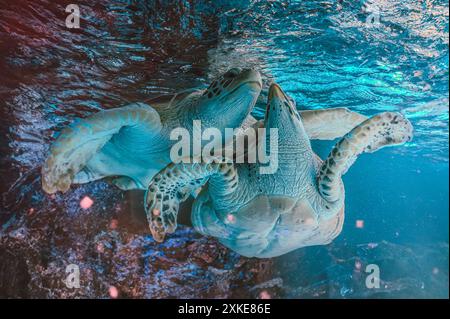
x=346 y=291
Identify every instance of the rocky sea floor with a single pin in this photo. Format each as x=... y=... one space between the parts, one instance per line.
x=117 y=258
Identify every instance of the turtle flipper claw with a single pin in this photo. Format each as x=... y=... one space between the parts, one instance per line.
x=162 y=210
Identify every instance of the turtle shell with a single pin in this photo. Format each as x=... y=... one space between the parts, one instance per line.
x=267 y=226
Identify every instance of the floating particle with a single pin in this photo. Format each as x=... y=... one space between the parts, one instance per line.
x=346 y=291
x=86 y=202
x=435 y=270
x=426 y=87
x=113 y=292
x=372 y=245
x=231 y=218
x=114 y=223
x=360 y=223
x=265 y=295
x=100 y=248
x=358 y=265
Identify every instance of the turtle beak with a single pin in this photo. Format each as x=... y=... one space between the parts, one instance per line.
x=276 y=91
x=249 y=77
x=276 y=97
x=279 y=105
x=273 y=100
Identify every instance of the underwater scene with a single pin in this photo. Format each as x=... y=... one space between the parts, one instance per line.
x=70 y=229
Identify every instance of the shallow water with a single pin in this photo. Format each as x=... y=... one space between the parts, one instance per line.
x=323 y=53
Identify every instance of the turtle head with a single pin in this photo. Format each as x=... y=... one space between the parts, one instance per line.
x=281 y=113
x=230 y=97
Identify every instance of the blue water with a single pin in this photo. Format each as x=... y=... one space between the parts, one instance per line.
x=322 y=53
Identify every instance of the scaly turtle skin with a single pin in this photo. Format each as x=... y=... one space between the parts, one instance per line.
x=132 y=143
x=301 y=204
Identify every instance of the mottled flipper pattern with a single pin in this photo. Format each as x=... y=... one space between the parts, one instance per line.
x=382 y=130
x=174 y=184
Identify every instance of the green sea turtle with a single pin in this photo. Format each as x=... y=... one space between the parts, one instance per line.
x=302 y=204
x=132 y=143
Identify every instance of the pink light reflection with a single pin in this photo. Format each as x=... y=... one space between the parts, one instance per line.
x=86 y=202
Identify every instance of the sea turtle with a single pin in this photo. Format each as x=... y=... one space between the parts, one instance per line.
x=301 y=204
x=132 y=143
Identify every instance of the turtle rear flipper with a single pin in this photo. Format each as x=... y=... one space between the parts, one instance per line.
x=84 y=138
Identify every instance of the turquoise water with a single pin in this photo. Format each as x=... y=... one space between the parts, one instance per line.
x=369 y=56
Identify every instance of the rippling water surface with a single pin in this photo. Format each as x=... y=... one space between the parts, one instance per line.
x=369 y=56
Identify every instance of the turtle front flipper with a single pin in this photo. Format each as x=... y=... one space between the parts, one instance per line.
x=385 y=129
x=175 y=183
x=84 y=138
x=328 y=124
